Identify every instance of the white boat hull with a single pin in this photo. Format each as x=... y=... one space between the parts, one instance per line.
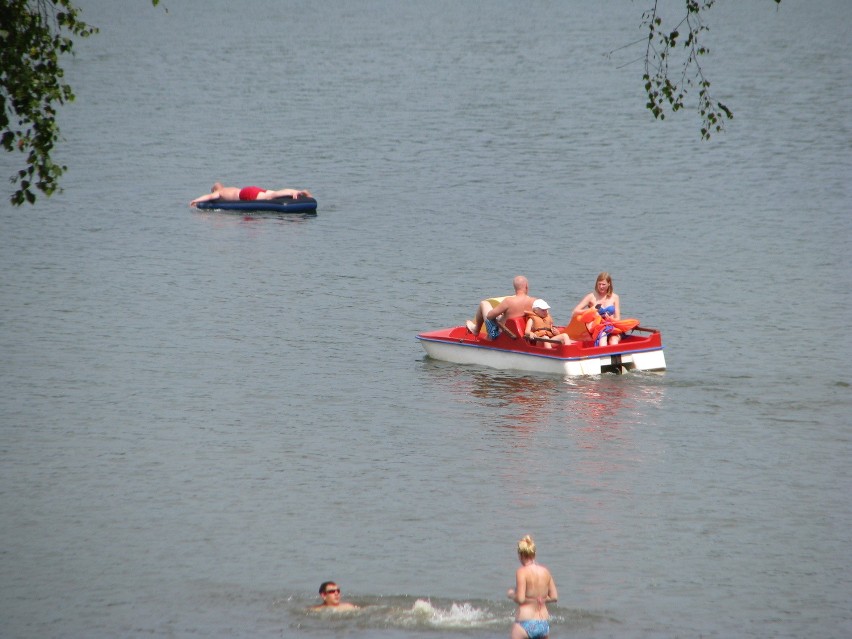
x=455 y=345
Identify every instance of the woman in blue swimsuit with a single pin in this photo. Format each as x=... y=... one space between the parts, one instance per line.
x=534 y=589
x=606 y=302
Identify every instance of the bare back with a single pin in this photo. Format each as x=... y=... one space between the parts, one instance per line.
x=534 y=584
x=515 y=306
x=229 y=193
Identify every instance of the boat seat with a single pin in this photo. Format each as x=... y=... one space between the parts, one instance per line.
x=517 y=325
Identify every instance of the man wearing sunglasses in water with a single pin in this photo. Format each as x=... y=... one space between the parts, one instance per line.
x=330 y=593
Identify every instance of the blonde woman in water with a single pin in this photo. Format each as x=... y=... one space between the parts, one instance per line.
x=534 y=589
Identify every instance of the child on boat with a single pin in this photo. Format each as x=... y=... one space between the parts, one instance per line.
x=540 y=328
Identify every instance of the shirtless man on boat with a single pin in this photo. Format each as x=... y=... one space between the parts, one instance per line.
x=234 y=193
x=511 y=307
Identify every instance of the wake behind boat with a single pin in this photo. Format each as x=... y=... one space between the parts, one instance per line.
x=511 y=351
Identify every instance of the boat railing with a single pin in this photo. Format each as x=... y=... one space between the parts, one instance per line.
x=647 y=329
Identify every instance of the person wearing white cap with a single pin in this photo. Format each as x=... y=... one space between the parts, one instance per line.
x=540 y=326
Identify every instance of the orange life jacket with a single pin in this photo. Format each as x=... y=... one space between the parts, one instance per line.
x=542 y=326
x=598 y=326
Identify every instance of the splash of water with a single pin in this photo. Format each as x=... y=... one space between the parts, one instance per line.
x=458 y=615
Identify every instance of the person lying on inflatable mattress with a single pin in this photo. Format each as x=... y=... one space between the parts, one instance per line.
x=234 y=193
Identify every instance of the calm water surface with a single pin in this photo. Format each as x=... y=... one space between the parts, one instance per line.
x=204 y=415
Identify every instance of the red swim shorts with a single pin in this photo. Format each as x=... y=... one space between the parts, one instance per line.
x=250 y=192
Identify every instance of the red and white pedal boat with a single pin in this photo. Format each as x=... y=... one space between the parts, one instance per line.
x=511 y=351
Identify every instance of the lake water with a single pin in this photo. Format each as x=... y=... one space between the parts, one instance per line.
x=205 y=415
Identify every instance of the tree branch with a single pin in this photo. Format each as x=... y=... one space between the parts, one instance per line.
x=664 y=46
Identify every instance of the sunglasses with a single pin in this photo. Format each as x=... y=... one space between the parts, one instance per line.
x=333 y=591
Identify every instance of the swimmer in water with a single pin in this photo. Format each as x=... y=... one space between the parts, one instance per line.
x=330 y=593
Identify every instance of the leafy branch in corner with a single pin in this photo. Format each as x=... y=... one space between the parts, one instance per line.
x=678 y=50
x=33 y=36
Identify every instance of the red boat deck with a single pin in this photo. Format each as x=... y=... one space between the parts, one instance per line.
x=630 y=343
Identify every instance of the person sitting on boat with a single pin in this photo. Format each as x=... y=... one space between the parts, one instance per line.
x=540 y=324
x=600 y=313
x=609 y=309
x=493 y=315
x=247 y=193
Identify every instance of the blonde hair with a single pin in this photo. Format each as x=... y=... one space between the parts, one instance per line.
x=605 y=277
x=526 y=547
